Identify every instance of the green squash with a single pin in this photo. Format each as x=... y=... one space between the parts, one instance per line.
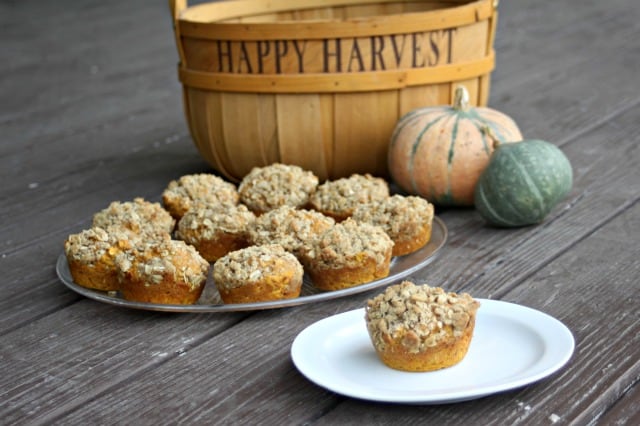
x=522 y=183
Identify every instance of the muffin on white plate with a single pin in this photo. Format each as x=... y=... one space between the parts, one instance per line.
x=420 y=328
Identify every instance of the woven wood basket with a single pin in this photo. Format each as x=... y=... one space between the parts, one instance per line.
x=322 y=83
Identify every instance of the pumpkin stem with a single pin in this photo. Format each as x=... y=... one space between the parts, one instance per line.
x=461 y=99
x=489 y=133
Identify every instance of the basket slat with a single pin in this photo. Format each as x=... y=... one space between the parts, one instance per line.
x=304 y=131
x=360 y=131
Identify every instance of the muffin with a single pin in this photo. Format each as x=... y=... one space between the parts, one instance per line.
x=216 y=230
x=258 y=274
x=166 y=271
x=182 y=194
x=339 y=198
x=348 y=254
x=293 y=229
x=407 y=220
x=420 y=328
x=269 y=187
x=136 y=218
x=91 y=255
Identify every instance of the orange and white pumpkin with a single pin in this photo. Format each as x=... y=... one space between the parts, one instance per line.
x=439 y=152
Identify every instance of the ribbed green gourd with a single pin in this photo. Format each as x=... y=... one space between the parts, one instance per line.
x=523 y=182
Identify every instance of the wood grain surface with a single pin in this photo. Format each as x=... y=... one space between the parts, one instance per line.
x=91 y=112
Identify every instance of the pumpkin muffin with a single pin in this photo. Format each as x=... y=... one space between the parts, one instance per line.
x=258 y=274
x=420 y=328
x=136 y=218
x=407 y=220
x=182 y=194
x=216 y=230
x=339 y=198
x=166 y=271
x=91 y=255
x=293 y=229
x=269 y=187
x=348 y=254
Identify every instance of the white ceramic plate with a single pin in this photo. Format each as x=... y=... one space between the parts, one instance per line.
x=210 y=301
x=512 y=346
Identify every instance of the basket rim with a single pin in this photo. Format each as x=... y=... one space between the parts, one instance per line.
x=204 y=20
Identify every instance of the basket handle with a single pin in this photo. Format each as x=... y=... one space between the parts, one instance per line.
x=176 y=7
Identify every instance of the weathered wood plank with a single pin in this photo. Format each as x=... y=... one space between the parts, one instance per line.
x=626 y=410
x=88 y=347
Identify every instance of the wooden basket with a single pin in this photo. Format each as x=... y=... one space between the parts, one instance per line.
x=322 y=83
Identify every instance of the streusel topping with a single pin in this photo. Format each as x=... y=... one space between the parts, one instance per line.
x=269 y=187
x=253 y=264
x=345 y=194
x=203 y=222
x=291 y=228
x=418 y=314
x=91 y=245
x=156 y=260
x=397 y=215
x=138 y=216
x=347 y=242
x=207 y=188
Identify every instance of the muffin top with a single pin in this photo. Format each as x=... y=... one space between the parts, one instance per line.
x=204 y=222
x=255 y=264
x=397 y=215
x=340 y=197
x=347 y=243
x=269 y=187
x=134 y=217
x=420 y=315
x=156 y=261
x=291 y=228
x=182 y=194
x=92 y=245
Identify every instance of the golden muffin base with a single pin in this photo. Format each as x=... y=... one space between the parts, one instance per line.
x=168 y=291
x=101 y=275
x=338 y=278
x=443 y=355
x=223 y=243
x=335 y=215
x=407 y=244
x=273 y=287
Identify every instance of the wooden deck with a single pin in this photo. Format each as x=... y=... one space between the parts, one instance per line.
x=91 y=112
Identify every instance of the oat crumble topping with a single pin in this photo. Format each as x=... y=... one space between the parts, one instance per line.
x=346 y=242
x=418 y=314
x=253 y=264
x=138 y=216
x=345 y=194
x=91 y=245
x=291 y=228
x=397 y=215
x=269 y=187
x=203 y=187
x=203 y=222
x=154 y=260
